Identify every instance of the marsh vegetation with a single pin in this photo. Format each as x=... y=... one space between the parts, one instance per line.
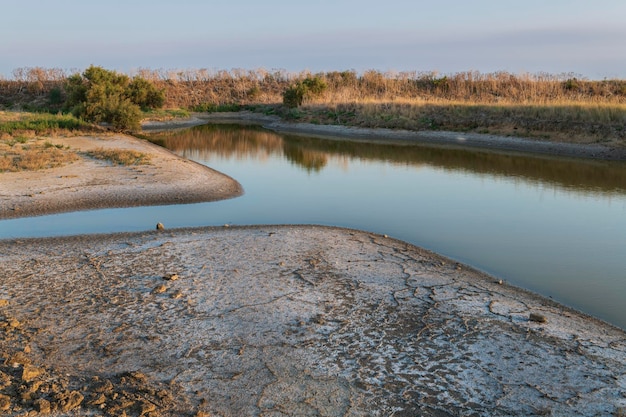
x=561 y=107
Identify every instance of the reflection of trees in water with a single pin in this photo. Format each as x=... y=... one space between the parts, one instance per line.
x=573 y=174
x=314 y=154
x=238 y=141
x=223 y=140
x=311 y=160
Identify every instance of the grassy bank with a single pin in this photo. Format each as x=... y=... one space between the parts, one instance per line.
x=25 y=140
x=564 y=122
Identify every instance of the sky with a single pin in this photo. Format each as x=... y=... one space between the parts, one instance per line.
x=584 y=38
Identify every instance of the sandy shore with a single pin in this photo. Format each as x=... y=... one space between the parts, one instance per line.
x=90 y=183
x=270 y=321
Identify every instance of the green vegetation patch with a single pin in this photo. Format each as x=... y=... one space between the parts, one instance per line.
x=217 y=108
x=43 y=124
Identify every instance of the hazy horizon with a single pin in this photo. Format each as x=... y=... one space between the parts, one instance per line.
x=563 y=36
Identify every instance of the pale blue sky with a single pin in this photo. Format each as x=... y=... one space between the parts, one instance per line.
x=583 y=37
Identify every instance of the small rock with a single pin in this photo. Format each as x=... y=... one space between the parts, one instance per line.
x=144 y=407
x=385 y=236
x=5 y=380
x=4 y=303
x=30 y=372
x=5 y=402
x=105 y=387
x=13 y=322
x=159 y=289
x=160 y=226
x=19 y=358
x=42 y=406
x=171 y=277
x=500 y=282
x=539 y=318
x=100 y=399
x=176 y=295
x=71 y=401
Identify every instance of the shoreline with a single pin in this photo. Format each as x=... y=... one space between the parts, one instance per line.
x=93 y=184
x=477 y=141
x=296 y=319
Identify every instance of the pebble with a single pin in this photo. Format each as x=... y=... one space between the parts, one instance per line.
x=171 y=277
x=160 y=226
x=160 y=289
x=30 y=372
x=5 y=402
x=538 y=318
x=42 y=406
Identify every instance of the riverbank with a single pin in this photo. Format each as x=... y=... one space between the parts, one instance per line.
x=492 y=143
x=289 y=320
x=91 y=183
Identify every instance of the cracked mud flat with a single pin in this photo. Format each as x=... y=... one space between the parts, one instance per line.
x=287 y=320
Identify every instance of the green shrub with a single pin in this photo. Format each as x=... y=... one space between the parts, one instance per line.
x=55 y=97
x=103 y=96
x=143 y=93
x=310 y=87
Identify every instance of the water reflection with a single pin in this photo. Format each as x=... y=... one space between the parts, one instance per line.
x=312 y=154
x=550 y=225
x=557 y=227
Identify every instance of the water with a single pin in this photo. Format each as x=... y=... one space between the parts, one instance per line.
x=557 y=227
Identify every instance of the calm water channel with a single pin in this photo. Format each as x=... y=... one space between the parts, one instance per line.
x=554 y=226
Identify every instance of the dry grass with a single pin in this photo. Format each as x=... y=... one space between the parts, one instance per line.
x=571 y=122
x=22 y=146
x=30 y=154
x=120 y=156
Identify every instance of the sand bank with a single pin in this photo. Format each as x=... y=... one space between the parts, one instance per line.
x=90 y=183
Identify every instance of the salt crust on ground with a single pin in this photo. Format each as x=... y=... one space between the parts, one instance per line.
x=299 y=320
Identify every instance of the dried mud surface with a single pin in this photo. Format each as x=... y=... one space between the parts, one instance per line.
x=286 y=320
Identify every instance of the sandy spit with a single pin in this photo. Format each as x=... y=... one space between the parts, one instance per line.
x=90 y=183
x=288 y=320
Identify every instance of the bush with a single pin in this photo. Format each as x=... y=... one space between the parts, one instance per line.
x=143 y=93
x=99 y=95
x=310 y=87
